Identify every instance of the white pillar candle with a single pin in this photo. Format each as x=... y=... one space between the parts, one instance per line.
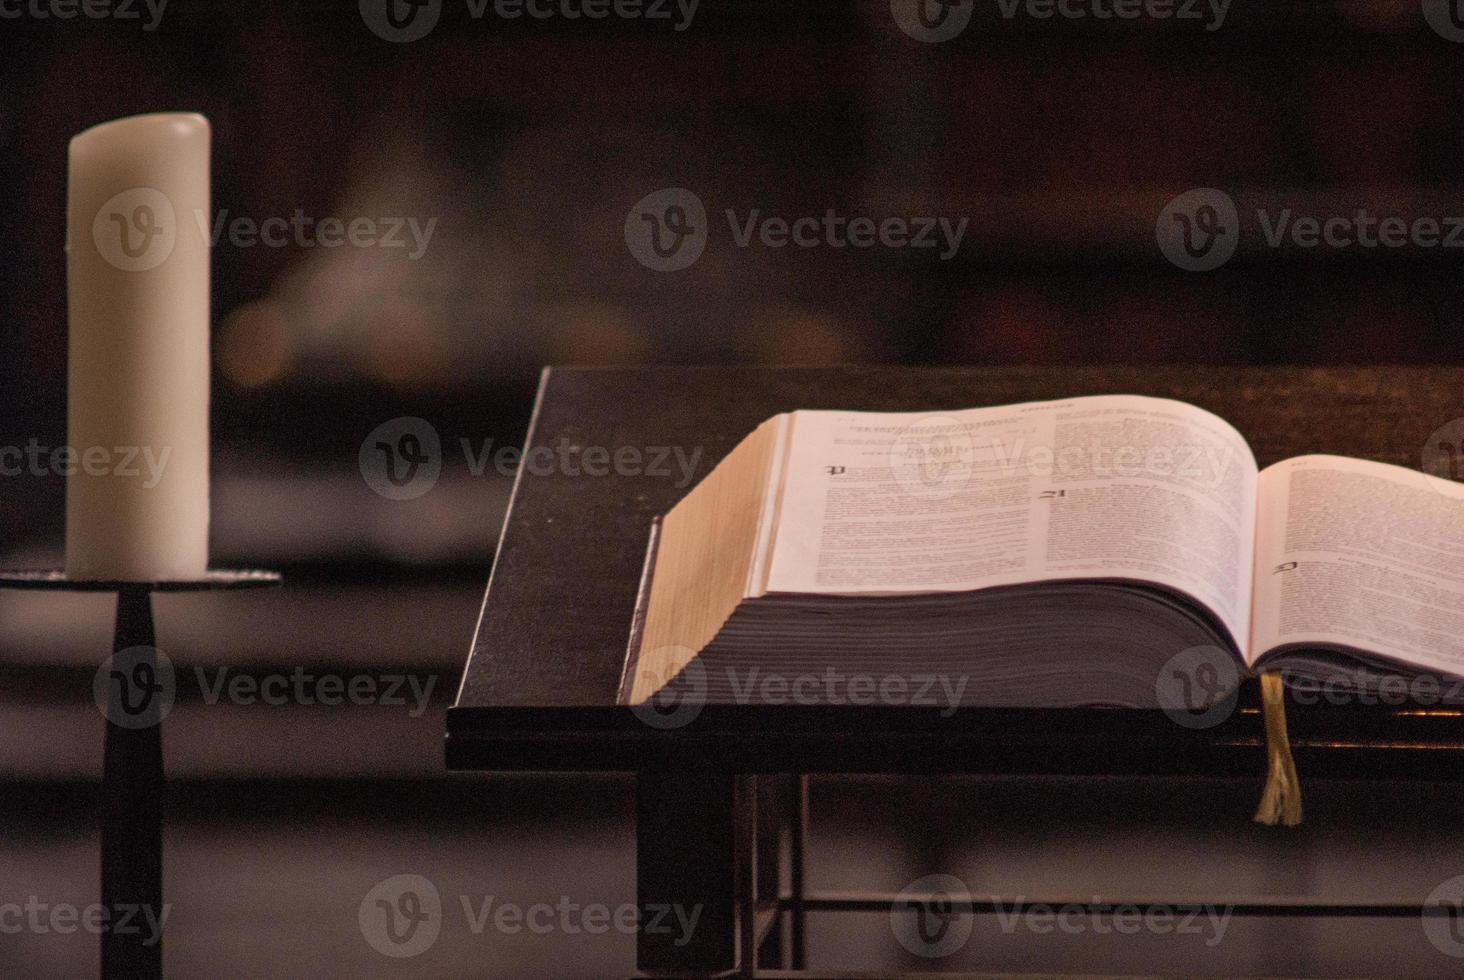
x=138 y=292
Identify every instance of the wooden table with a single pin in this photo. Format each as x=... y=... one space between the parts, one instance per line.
x=722 y=797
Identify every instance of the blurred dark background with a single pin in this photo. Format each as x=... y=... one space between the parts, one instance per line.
x=527 y=142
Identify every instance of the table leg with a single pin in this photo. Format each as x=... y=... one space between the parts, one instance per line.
x=131 y=804
x=686 y=865
x=797 y=848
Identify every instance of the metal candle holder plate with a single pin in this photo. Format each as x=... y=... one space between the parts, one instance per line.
x=213 y=580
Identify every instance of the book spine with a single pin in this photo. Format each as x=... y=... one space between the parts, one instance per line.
x=638 y=621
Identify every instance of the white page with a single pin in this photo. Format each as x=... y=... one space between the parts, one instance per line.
x=1361 y=554
x=1109 y=486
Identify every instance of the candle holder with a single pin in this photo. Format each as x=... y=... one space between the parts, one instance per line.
x=132 y=764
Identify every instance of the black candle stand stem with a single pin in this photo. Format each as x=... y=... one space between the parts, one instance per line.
x=132 y=811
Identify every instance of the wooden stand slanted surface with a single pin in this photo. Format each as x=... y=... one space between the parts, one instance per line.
x=718 y=825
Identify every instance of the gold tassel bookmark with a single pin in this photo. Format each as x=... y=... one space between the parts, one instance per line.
x=1281 y=801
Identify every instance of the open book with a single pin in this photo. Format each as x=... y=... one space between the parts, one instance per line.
x=1107 y=550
